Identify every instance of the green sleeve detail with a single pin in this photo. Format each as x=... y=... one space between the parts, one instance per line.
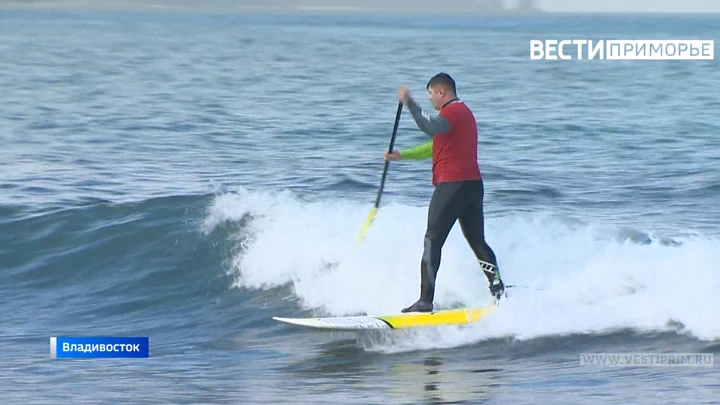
x=420 y=152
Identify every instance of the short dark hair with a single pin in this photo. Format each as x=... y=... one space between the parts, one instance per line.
x=443 y=80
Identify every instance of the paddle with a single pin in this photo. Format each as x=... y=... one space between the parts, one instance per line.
x=374 y=210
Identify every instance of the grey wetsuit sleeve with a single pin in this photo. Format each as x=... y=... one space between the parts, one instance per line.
x=430 y=125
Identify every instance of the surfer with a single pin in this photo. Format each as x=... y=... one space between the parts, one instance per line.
x=458 y=194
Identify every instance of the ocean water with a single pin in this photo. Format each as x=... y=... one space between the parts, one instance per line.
x=186 y=177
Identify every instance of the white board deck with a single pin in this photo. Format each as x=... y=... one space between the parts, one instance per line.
x=396 y=321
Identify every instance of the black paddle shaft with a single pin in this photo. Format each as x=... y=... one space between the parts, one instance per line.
x=387 y=162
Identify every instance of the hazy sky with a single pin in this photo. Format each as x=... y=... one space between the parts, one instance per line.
x=631 y=5
x=653 y=6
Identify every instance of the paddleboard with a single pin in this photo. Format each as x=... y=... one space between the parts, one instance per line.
x=456 y=316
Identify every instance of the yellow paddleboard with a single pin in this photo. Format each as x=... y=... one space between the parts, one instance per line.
x=457 y=316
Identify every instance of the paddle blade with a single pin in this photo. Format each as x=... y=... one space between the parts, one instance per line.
x=366 y=226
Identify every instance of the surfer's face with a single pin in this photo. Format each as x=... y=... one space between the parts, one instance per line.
x=436 y=95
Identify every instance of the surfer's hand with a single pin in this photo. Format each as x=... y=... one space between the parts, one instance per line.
x=394 y=155
x=403 y=94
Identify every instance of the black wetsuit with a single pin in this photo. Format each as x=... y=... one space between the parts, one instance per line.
x=456 y=201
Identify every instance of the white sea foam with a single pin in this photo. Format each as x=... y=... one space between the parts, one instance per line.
x=589 y=282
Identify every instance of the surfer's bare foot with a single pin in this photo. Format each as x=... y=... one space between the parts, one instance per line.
x=420 y=306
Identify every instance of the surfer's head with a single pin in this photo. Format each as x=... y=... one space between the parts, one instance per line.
x=441 y=89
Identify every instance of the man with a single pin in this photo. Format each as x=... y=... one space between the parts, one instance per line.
x=458 y=194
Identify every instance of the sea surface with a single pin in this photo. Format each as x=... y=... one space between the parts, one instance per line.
x=187 y=177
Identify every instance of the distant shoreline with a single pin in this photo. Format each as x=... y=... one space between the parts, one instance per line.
x=275 y=6
x=309 y=8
